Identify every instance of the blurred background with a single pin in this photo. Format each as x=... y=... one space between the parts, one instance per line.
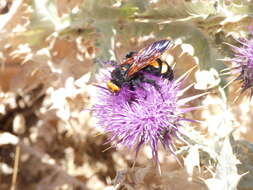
x=51 y=52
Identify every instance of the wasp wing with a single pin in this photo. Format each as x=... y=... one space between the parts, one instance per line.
x=147 y=55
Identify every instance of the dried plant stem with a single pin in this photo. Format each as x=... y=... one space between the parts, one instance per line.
x=15 y=171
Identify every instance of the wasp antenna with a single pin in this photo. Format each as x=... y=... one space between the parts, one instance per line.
x=105 y=63
x=96 y=85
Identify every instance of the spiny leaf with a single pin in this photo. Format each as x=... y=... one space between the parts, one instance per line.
x=73 y=32
x=226 y=176
x=111 y=13
x=236 y=26
x=201 y=8
x=192 y=159
x=104 y=18
x=177 y=10
x=101 y=11
x=201 y=43
x=240 y=7
x=244 y=150
x=45 y=16
x=163 y=14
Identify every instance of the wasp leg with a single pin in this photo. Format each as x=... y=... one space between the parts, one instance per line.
x=137 y=82
x=153 y=83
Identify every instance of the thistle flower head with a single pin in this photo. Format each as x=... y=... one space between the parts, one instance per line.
x=143 y=116
x=243 y=58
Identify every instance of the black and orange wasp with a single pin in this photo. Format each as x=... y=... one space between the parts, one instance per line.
x=129 y=72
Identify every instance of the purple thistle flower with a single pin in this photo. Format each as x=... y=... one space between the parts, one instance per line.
x=243 y=58
x=139 y=117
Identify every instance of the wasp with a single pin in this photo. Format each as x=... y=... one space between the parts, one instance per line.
x=131 y=72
